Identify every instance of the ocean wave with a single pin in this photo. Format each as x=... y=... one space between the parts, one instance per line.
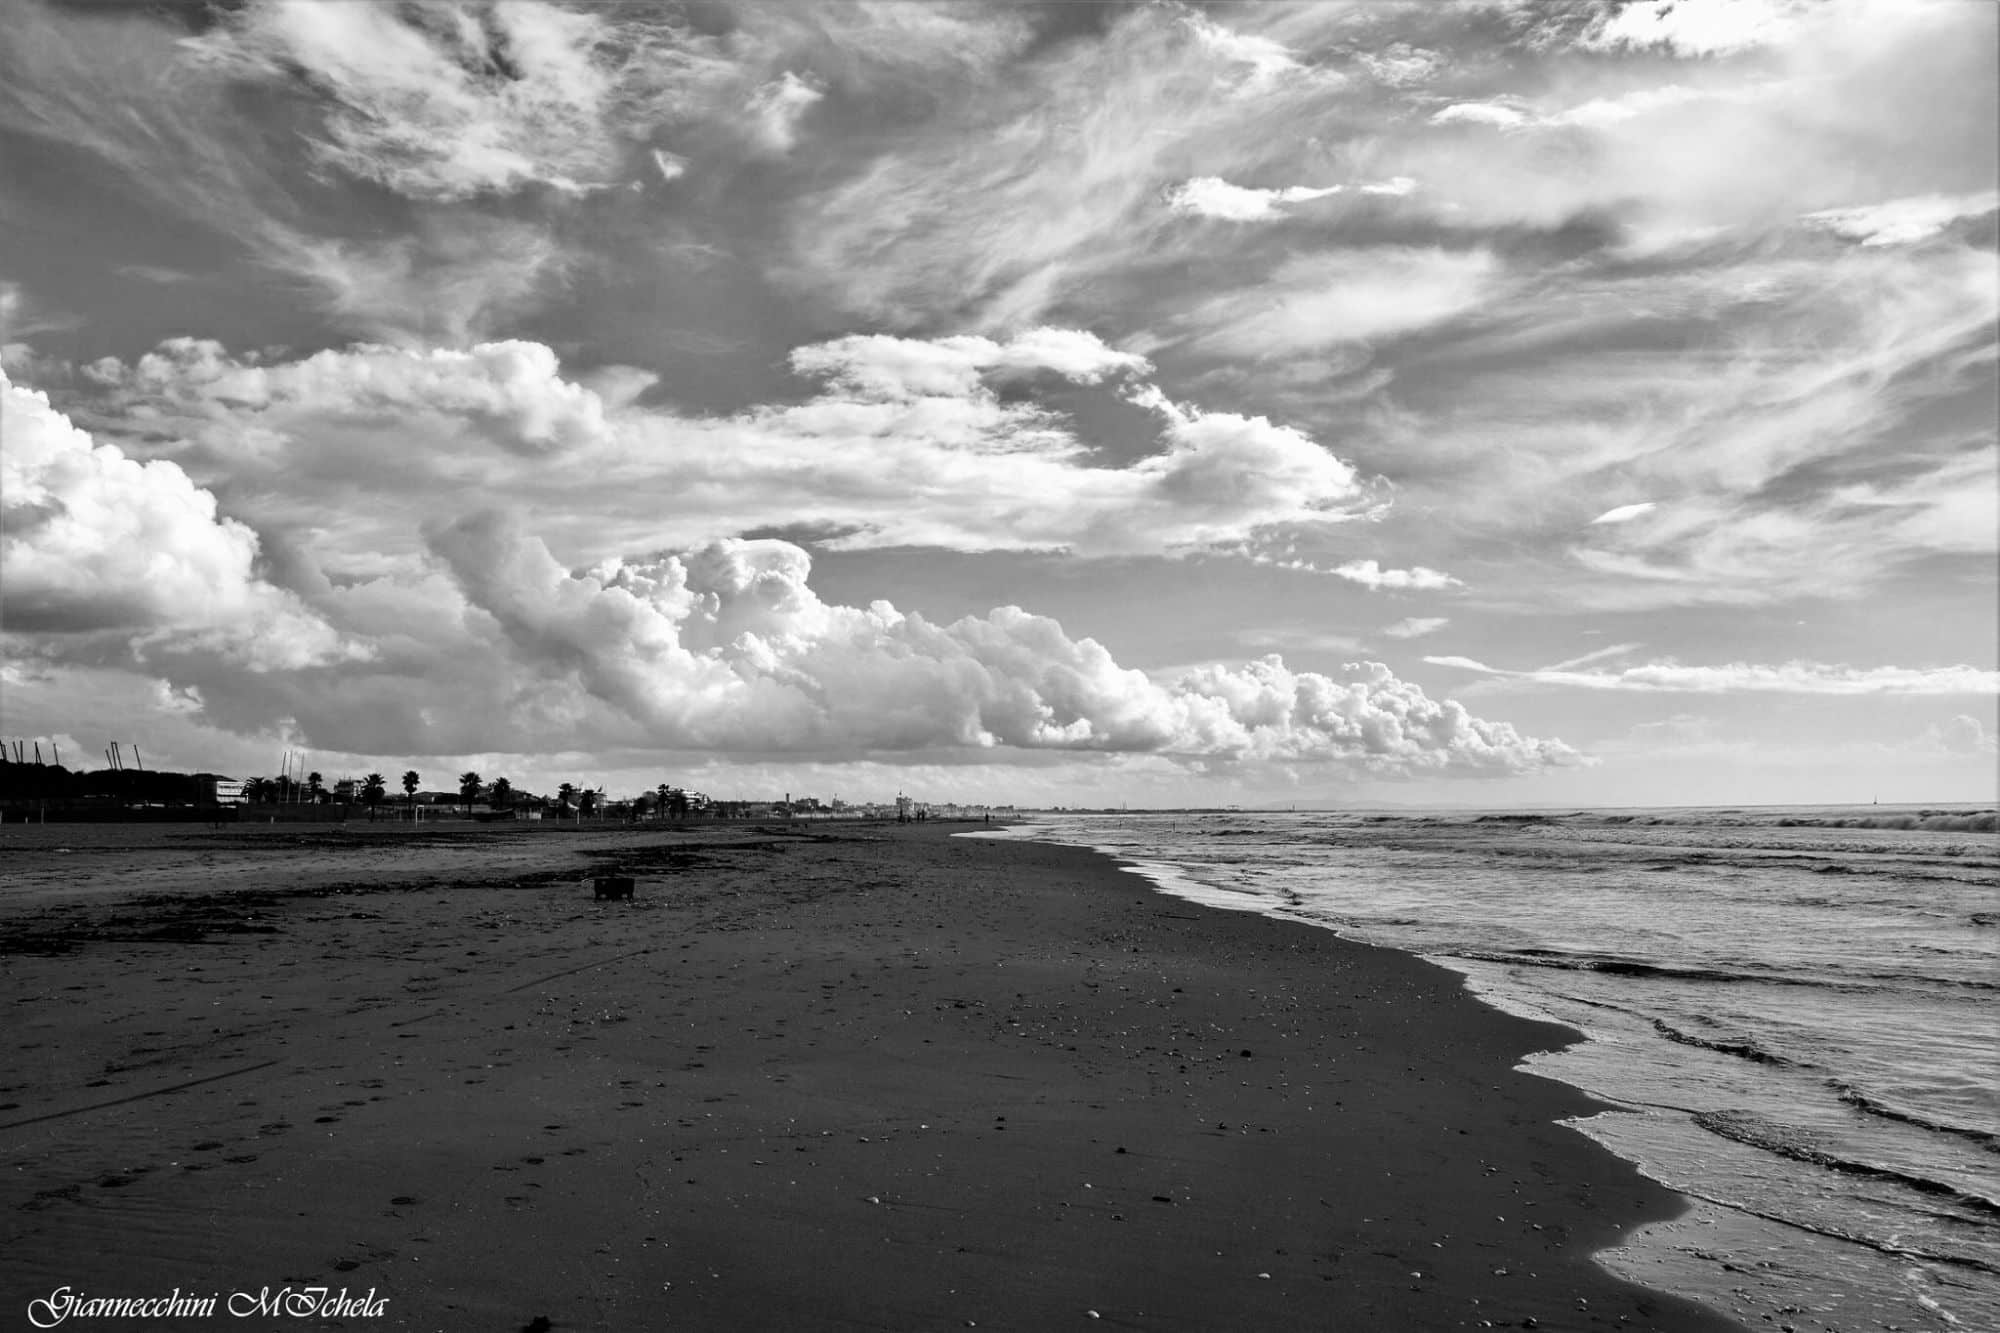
x=1924 y=821
x=1630 y=967
x=1743 y=1050
x=1862 y=1102
x=1756 y=1132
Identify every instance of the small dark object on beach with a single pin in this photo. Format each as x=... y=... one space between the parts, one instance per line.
x=611 y=886
x=539 y=1324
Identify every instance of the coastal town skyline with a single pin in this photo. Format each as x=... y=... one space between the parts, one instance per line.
x=1480 y=404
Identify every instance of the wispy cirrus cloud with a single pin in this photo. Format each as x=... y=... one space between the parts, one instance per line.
x=1752 y=678
x=1903 y=221
x=445 y=102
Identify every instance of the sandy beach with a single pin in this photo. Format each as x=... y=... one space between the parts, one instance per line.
x=841 y=1076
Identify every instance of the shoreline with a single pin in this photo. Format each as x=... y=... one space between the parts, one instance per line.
x=833 y=1077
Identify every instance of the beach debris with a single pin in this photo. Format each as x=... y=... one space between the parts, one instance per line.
x=612 y=886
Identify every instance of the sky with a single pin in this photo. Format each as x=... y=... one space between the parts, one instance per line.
x=1500 y=403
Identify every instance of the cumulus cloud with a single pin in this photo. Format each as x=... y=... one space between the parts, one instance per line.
x=1415 y=627
x=879 y=366
x=1963 y=734
x=729 y=648
x=511 y=392
x=1371 y=575
x=1754 y=678
x=909 y=442
x=1903 y=221
x=98 y=541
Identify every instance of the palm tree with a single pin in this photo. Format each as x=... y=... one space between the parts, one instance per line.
x=410 y=781
x=469 y=783
x=663 y=800
x=314 y=786
x=566 y=794
x=501 y=794
x=254 y=789
x=373 y=789
x=586 y=804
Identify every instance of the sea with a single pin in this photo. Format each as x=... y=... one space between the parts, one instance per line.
x=1792 y=1015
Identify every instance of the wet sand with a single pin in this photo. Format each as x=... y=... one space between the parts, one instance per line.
x=844 y=1077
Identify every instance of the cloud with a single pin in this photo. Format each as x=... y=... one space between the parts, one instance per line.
x=908 y=442
x=511 y=393
x=1625 y=513
x=1903 y=221
x=1696 y=28
x=1963 y=734
x=1596 y=655
x=1034 y=197
x=439 y=102
x=95 y=541
x=1359 y=295
x=1497 y=114
x=776 y=108
x=1267 y=59
x=1213 y=197
x=729 y=648
x=1415 y=627
x=1370 y=574
x=880 y=366
x=1750 y=678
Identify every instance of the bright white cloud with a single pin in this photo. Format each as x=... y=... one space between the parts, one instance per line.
x=1903 y=221
x=1370 y=574
x=1213 y=197
x=729 y=648
x=97 y=541
x=879 y=366
x=1697 y=27
x=1625 y=513
x=1753 y=678
x=1496 y=114
x=512 y=393
x=1415 y=627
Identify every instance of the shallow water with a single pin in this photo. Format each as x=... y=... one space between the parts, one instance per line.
x=1793 y=1012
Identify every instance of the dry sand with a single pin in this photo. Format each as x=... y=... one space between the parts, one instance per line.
x=856 y=1077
